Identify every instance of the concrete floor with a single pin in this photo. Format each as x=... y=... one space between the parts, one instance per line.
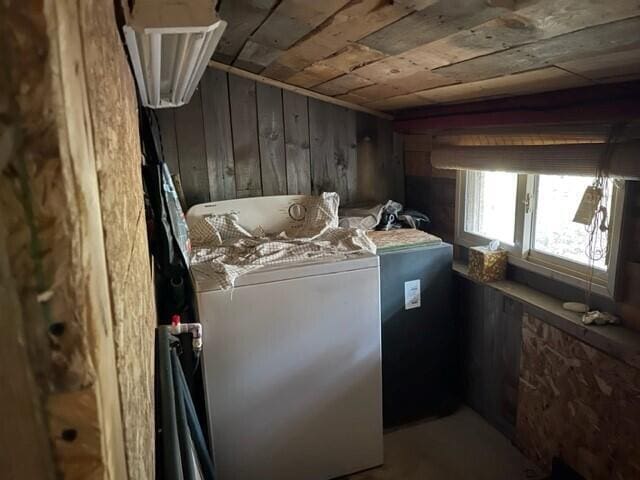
x=462 y=446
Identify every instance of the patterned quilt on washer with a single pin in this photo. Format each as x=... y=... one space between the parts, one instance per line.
x=223 y=250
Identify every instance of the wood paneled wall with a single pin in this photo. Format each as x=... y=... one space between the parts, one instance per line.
x=429 y=190
x=550 y=392
x=489 y=335
x=238 y=138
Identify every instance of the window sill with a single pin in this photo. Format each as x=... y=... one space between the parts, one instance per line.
x=465 y=240
x=540 y=269
x=616 y=340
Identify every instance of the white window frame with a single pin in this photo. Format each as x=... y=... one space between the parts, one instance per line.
x=522 y=254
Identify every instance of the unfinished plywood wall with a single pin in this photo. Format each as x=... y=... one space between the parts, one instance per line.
x=114 y=120
x=74 y=264
x=578 y=404
x=238 y=138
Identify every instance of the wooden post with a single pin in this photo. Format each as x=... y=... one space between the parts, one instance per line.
x=64 y=226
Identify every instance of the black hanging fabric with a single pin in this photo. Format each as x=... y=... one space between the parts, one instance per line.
x=172 y=281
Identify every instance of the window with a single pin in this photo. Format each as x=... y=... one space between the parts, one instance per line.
x=491 y=197
x=555 y=233
x=532 y=216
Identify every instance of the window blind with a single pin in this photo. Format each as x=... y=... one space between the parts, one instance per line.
x=551 y=150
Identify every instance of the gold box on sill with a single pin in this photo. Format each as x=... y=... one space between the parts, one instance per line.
x=486 y=265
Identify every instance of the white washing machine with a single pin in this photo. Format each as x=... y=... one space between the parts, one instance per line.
x=292 y=361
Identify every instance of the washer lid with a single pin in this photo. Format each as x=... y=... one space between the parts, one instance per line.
x=203 y=281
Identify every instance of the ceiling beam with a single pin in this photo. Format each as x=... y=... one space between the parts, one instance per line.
x=299 y=90
x=609 y=102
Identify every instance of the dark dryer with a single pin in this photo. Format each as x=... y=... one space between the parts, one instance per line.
x=418 y=353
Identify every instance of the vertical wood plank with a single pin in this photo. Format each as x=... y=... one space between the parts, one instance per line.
x=398 y=187
x=245 y=139
x=271 y=140
x=346 y=154
x=217 y=135
x=333 y=150
x=492 y=310
x=321 y=135
x=368 y=178
x=191 y=151
x=472 y=342
x=167 y=125
x=387 y=173
x=297 y=149
x=510 y=365
x=243 y=17
x=378 y=172
x=244 y=124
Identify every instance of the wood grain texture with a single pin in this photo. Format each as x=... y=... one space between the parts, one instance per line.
x=398 y=165
x=490 y=333
x=333 y=150
x=25 y=428
x=611 y=67
x=377 y=91
x=297 y=148
x=342 y=84
x=257 y=141
x=293 y=19
x=438 y=20
x=534 y=81
x=111 y=94
x=242 y=17
x=216 y=117
x=398 y=102
x=404 y=74
x=246 y=150
x=271 y=140
x=355 y=21
x=254 y=56
x=379 y=159
x=292 y=88
x=346 y=60
x=405 y=47
x=75 y=237
x=587 y=42
x=26 y=450
x=353 y=98
x=531 y=22
x=191 y=151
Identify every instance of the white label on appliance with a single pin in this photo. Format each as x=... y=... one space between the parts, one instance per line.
x=411 y=294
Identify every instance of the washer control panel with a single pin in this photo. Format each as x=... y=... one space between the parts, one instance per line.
x=273 y=214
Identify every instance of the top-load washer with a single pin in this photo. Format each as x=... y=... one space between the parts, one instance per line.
x=292 y=359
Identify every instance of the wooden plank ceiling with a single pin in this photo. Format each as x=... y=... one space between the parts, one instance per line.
x=394 y=54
